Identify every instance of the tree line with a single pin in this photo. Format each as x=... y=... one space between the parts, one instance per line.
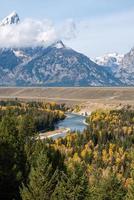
x=97 y=164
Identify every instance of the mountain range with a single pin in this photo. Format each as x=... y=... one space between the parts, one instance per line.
x=59 y=65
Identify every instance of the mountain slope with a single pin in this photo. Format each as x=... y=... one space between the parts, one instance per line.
x=112 y=61
x=13 y=18
x=126 y=70
x=56 y=65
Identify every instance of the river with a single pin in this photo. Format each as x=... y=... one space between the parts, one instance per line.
x=72 y=121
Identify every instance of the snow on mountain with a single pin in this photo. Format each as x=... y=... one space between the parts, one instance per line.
x=59 y=44
x=56 y=65
x=20 y=54
x=110 y=60
x=122 y=66
x=128 y=61
x=125 y=71
x=13 y=18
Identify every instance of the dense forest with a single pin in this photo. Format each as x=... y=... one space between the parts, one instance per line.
x=97 y=164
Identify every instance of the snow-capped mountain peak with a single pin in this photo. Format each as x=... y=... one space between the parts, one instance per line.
x=13 y=18
x=110 y=60
x=58 y=44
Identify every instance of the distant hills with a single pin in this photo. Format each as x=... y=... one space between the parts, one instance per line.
x=58 y=65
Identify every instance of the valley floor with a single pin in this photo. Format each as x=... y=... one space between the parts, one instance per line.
x=89 y=98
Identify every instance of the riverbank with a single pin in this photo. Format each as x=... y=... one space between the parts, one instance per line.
x=50 y=134
x=84 y=113
x=84 y=122
x=72 y=122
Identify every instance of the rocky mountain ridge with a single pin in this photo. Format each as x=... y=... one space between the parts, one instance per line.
x=58 y=65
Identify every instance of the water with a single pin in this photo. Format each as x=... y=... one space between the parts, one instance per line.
x=73 y=121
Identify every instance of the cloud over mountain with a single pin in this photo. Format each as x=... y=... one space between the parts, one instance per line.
x=35 y=32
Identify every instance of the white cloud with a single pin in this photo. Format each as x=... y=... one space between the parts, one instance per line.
x=33 y=32
x=68 y=30
x=105 y=34
x=93 y=37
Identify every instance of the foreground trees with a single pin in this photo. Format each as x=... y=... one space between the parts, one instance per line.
x=73 y=185
x=95 y=165
x=108 y=188
x=18 y=125
x=12 y=159
x=42 y=180
x=106 y=149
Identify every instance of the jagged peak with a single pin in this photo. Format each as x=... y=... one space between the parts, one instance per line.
x=110 y=59
x=12 y=18
x=131 y=52
x=58 y=44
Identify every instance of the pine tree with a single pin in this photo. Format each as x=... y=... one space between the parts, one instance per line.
x=130 y=193
x=42 y=180
x=108 y=189
x=10 y=174
x=73 y=186
x=12 y=159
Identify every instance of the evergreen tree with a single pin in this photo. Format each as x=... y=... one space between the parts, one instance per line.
x=27 y=126
x=108 y=189
x=10 y=173
x=12 y=159
x=42 y=180
x=72 y=187
x=130 y=193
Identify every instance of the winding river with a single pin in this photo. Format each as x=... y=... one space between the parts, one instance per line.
x=73 y=121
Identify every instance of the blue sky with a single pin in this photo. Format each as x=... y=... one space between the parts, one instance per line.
x=103 y=26
x=62 y=9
